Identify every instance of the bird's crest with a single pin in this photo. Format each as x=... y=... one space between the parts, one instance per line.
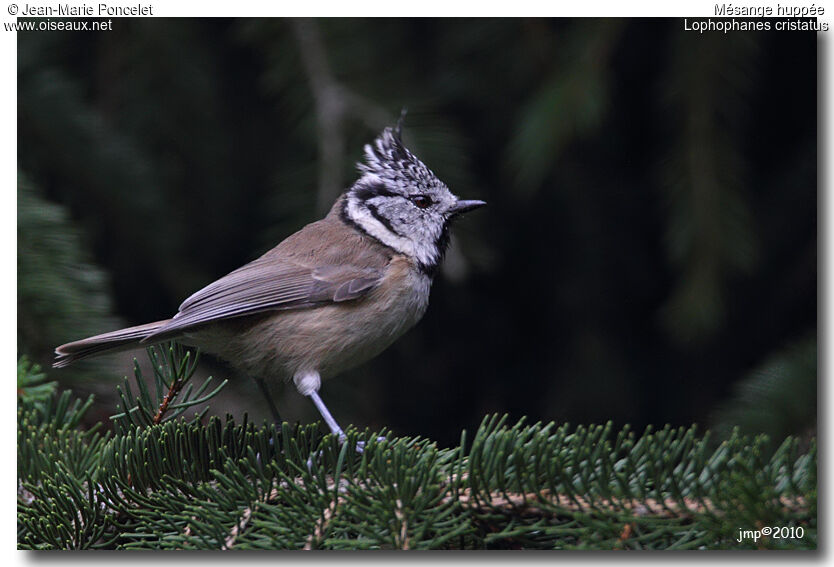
x=389 y=161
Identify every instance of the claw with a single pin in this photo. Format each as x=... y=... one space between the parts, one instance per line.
x=360 y=445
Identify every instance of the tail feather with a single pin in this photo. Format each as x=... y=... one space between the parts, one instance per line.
x=123 y=339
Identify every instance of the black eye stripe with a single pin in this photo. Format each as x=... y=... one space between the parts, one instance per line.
x=381 y=218
x=370 y=191
x=374 y=190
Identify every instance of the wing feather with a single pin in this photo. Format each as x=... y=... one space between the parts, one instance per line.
x=268 y=284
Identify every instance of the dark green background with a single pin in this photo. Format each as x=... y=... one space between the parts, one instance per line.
x=649 y=245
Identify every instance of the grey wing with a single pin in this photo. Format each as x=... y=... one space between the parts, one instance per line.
x=267 y=285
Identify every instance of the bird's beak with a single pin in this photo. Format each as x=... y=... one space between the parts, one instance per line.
x=465 y=206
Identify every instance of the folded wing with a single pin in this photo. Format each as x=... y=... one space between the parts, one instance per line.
x=267 y=284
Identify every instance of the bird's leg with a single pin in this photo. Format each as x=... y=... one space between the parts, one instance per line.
x=331 y=423
x=308 y=384
x=334 y=427
x=325 y=413
x=272 y=408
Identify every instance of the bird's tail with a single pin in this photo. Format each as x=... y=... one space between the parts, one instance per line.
x=123 y=339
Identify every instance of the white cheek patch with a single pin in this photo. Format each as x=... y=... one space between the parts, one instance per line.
x=359 y=214
x=424 y=252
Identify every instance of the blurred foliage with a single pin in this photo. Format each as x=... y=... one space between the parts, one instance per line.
x=651 y=234
x=31 y=382
x=710 y=232
x=779 y=398
x=571 y=103
x=61 y=292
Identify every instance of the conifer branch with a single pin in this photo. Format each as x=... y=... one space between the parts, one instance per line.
x=184 y=484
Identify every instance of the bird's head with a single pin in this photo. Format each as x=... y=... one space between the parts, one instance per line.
x=400 y=202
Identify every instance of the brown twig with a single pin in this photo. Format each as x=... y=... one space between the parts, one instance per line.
x=238 y=528
x=175 y=388
x=626 y=533
x=402 y=541
x=668 y=508
x=321 y=524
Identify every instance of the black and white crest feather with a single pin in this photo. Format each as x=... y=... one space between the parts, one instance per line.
x=400 y=202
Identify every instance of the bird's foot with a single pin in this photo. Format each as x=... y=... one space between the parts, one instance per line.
x=360 y=445
x=359 y=448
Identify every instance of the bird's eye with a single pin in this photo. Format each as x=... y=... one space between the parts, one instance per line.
x=421 y=201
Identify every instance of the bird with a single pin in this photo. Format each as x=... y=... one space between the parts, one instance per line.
x=327 y=298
